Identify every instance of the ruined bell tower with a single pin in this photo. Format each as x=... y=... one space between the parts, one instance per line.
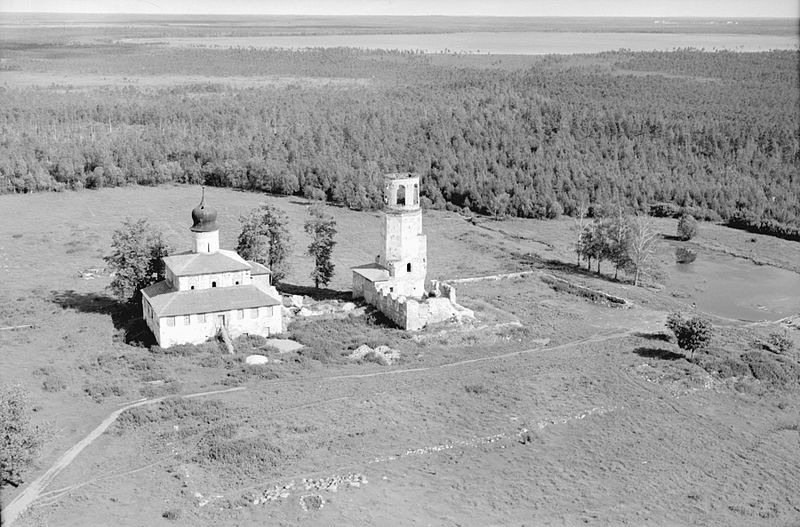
x=404 y=247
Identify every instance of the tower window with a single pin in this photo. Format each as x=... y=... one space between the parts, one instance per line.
x=416 y=194
x=192 y=287
x=213 y=284
x=408 y=267
x=401 y=195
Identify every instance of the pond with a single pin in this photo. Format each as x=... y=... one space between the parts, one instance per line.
x=737 y=288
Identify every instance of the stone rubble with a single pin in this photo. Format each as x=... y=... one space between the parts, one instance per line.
x=330 y=484
x=390 y=355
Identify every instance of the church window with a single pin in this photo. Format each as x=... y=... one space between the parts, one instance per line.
x=237 y=282
x=401 y=195
x=170 y=322
x=192 y=287
x=408 y=267
x=213 y=284
x=416 y=194
x=187 y=319
x=240 y=314
x=254 y=313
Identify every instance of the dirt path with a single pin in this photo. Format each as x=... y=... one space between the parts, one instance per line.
x=32 y=492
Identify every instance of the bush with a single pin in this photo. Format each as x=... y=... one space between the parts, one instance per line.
x=692 y=333
x=20 y=439
x=476 y=389
x=687 y=227
x=780 y=341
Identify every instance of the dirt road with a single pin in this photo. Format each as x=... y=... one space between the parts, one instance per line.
x=32 y=492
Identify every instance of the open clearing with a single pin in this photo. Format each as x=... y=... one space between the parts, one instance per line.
x=599 y=420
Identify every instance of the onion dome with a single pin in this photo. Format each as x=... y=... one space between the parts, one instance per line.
x=204 y=218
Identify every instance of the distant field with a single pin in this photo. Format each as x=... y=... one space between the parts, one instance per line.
x=498 y=43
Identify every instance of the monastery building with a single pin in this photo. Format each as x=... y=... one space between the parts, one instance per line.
x=208 y=291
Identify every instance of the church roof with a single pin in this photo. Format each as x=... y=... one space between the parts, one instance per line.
x=373 y=272
x=204 y=218
x=167 y=302
x=258 y=269
x=191 y=263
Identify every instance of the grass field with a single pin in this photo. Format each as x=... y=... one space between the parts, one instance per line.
x=549 y=407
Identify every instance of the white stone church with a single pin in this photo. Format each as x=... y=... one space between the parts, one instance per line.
x=209 y=290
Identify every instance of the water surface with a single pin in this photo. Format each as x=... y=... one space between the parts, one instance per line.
x=736 y=288
x=507 y=43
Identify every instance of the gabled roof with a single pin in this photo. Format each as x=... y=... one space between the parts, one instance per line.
x=373 y=272
x=167 y=302
x=257 y=268
x=190 y=263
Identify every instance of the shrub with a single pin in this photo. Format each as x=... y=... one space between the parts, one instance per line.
x=172 y=514
x=54 y=383
x=687 y=227
x=20 y=439
x=780 y=341
x=692 y=333
x=377 y=358
x=476 y=389
x=684 y=255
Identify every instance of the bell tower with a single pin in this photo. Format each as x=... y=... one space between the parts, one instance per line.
x=204 y=228
x=404 y=247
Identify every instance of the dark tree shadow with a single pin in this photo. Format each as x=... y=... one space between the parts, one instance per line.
x=313 y=292
x=127 y=318
x=661 y=336
x=657 y=353
x=575 y=269
x=672 y=238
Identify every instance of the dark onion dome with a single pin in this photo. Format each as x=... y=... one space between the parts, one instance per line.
x=204 y=218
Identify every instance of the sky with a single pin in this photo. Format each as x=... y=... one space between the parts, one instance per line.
x=645 y=8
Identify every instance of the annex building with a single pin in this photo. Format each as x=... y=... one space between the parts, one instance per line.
x=208 y=291
x=395 y=282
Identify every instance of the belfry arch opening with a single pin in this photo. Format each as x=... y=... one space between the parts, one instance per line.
x=416 y=194
x=401 y=195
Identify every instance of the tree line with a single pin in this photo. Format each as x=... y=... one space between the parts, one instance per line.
x=535 y=142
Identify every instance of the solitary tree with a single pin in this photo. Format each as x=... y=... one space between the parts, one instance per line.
x=264 y=239
x=322 y=228
x=687 y=227
x=137 y=250
x=692 y=333
x=19 y=439
x=642 y=239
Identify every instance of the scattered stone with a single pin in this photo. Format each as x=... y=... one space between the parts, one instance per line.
x=348 y=307
x=284 y=345
x=256 y=360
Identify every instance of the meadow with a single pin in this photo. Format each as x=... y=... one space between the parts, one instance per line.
x=546 y=391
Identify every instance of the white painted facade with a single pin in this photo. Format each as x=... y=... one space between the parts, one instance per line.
x=183 y=309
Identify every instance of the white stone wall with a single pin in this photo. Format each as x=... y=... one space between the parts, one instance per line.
x=266 y=323
x=205 y=281
x=205 y=242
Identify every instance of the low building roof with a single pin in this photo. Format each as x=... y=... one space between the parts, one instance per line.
x=257 y=268
x=167 y=302
x=373 y=272
x=192 y=263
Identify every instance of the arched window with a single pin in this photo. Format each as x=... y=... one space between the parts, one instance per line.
x=401 y=195
x=408 y=267
x=213 y=284
x=192 y=287
x=416 y=194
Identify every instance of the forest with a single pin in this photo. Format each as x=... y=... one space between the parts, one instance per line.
x=717 y=133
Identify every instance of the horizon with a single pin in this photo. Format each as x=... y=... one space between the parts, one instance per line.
x=288 y=15
x=713 y=9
